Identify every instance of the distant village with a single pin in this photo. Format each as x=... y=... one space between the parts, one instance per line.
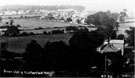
x=41 y=13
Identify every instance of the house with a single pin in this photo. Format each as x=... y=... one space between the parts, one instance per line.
x=119 y=44
x=21 y=12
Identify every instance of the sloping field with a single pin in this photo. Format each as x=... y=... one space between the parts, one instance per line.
x=35 y=23
x=18 y=44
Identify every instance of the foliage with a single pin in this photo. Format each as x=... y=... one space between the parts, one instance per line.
x=101 y=18
x=11 y=22
x=83 y=44
x=33 y=56
x=106 y=23
x=24 y=34
x=123 y=14
x=131 y=35
x=108 y=32
x=121 y=37
x=4 y=46
x=57 y=31
x=31 y=33
x=45 y=32
x=12 y=31
x=85 y=39
x=71 y=28
x=117 y=62
x=79 y=56
x=55 y=53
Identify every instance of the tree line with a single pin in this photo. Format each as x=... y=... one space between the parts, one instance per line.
x=78 y=57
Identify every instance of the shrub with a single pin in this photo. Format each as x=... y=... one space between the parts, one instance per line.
x=24 y=34
x=57 y=31
x=44 y=32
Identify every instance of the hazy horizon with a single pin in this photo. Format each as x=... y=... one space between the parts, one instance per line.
x=92 y=5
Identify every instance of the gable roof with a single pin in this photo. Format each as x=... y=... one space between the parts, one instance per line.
x=109 y=48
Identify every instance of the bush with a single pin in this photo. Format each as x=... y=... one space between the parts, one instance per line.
x=12 y=31
x=31 y=33
x=24 y=34
x=120 y=36
x=44 y=32
x=39 y=28
x=33 y=56
x=71 y=29
x=57 y=31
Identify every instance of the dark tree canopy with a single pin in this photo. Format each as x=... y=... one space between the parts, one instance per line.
x=121 y=37
x=102 y=18
x=33 y=56
x=12 y=31
x=86 y=39
x=71 y=28
x=107 y=33
x=106 y=23
x=131 y=35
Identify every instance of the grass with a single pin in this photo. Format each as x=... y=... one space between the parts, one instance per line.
x=35 y=23
x=18 y=44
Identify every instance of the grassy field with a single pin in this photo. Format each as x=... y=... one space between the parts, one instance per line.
x=18 y=44
x=35 y=23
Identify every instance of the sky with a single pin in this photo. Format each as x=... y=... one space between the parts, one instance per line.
x=92 y=5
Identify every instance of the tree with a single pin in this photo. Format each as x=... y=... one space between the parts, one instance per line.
x=57 y=31
x=107 y=32
x=101 y=18
x=117 y=64
x=115 y=16
x=4 y=46
x=12 y=31
x=117 y=26
x=33 y=56
x=105 y=21
x=86 y=39
x=83 y=44
x=11 y=22
x=71 y=29
x=123 y=14
x=121 y=36
x=55 y=54
x=131 y=35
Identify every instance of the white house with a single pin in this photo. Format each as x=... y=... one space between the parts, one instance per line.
x=118 y=44
x=21 y=12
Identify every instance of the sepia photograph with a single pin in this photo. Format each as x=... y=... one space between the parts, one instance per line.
x=67 y=38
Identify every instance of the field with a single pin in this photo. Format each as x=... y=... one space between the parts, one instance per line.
x=18 y=44
x=35 y=23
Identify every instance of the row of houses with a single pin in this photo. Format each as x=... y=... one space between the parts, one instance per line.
x=66 y=13
x=15 y=12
